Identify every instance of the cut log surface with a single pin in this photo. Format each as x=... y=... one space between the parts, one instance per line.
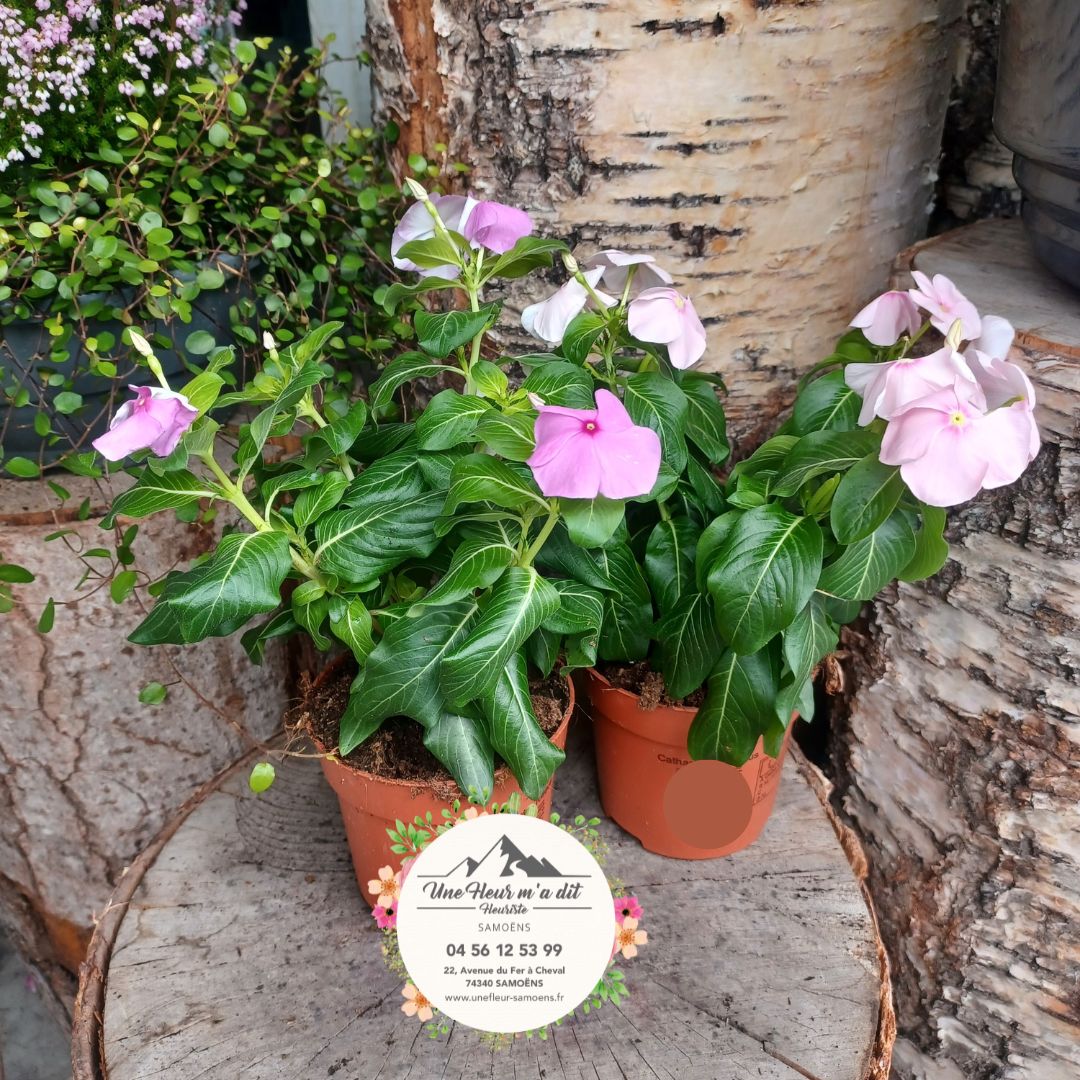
x=959 y=769
x=241 y=947
x=773 y=154
x=89 y=774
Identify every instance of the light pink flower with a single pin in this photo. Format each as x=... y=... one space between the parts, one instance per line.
x=627 y=907
x=582 y=453
x=628 y=937
x=615 y=266
x=948 y=448
x=887 y=388
x=945 y=303
x=995 y=338
x=416 y=1004
x=883 y=320
x=417 y=224
x=666 y=317
x=155 y=420
x=549 y=319
x=1003 y=383
x=496 y=226
x=386 y=888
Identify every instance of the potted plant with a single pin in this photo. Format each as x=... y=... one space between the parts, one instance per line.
x=175 y=181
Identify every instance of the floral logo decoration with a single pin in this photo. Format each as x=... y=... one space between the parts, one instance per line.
x=409 y=840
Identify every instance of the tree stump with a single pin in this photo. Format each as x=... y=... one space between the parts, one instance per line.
x=775 y=154
x=958 y=767
x=88 y=774
x=239 y=945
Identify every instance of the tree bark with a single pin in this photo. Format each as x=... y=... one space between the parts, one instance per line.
x=88 y=774
x=958 y=763
x=774 y=154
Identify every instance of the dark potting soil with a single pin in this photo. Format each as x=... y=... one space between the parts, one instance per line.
x=397 y=751
x=640 y=679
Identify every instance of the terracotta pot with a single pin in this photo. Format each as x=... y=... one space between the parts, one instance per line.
x=640 y=753
x=371 y=804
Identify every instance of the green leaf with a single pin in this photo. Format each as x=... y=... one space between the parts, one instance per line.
x=738 y=708
x=337 y=437
x=713 y=536
x=811 y=636
x=868 y=565
x=15 y=575
x=440 y=333
x=768 y=457
x=154 y=492
x=483 y=478
x=360 y=544
x=519 y=602
x=254 y=640
x=580 y=611
x=310 y=606
x=477 y=563
x=461 y=744
x=581 y=336
x=200 y=343
x=528 y=254
x=430 y=254
x=827 y=403
x=656 y=402
x=763 y=574
x=514 y=732
x=398 y=372
x=44 y=279
x=628 y=609
x=669 y=560
x=931 y=548
x=559 y=383
x=449 y=419
x=592 y=522
x=203 y=390
x=121 y=586
x=350 y=622
x=241 y=579
x=562 y=555
x=313 y=502
x=288 y=396
x=689 y=643
x=823 y=452
x=865 y=497
x=401 y=674
x=542 y=650
x=392 y=478
x=218 y=134
x=262 y=777
x=48 y=617
x=245 y=52
x=508 y=434
x=706 y=425
x=153 y=693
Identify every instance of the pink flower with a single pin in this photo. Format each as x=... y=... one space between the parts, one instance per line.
x=945 y=303
x=417 y=224
x=385 y=917
x=883 y=320
x=416 y=1004
x=154 y=420
x=666 y=317
x=627 y=907
x=995 y=338
x=615 y=267
x=582 y=453
x=948 y=448
x=386 y=888
x=549 y=319
x=496 y=226
x=1003 y=383
x=887 y=388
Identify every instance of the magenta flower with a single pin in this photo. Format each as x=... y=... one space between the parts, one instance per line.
x=889 y=387
x=627 y=907
x=615 y=266
x=582 y=453
x=884 y=319
x=496 y=226
x=417 y=224
x=945 y=303
x=155 y=420
x=666 y=317
x=549 y=319
x=948 y=448
x=385 y=917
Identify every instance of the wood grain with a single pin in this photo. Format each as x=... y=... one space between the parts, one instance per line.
x=959 y=765
x=773 y=155
x=242 y=948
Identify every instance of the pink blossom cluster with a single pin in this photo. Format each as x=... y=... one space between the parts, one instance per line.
x=58 y=57
x=960 y=418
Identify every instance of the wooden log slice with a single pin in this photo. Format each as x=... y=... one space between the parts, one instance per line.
x=958 y=766
x=239 y=946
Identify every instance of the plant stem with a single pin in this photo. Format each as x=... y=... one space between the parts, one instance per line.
x=307 y=408
x=545 y=532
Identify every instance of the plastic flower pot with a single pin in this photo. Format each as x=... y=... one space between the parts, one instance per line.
x=371 y=804
x=642 y=763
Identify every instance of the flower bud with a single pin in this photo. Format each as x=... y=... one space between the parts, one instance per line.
x=570 y=263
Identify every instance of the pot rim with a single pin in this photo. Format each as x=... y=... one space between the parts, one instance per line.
x=605 y=685
x=332 y=759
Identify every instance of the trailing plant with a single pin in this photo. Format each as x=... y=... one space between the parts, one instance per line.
x=222 y=212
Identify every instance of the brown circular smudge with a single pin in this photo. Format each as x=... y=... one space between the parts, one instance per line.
x=708 y=804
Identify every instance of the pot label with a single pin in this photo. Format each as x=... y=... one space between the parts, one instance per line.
x=505 y=923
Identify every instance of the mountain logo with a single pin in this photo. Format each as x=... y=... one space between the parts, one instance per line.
x=516 y=864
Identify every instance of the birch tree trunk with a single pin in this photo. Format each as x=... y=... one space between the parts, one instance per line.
x=89 y=774
x=774 y=153
x=959 y=766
